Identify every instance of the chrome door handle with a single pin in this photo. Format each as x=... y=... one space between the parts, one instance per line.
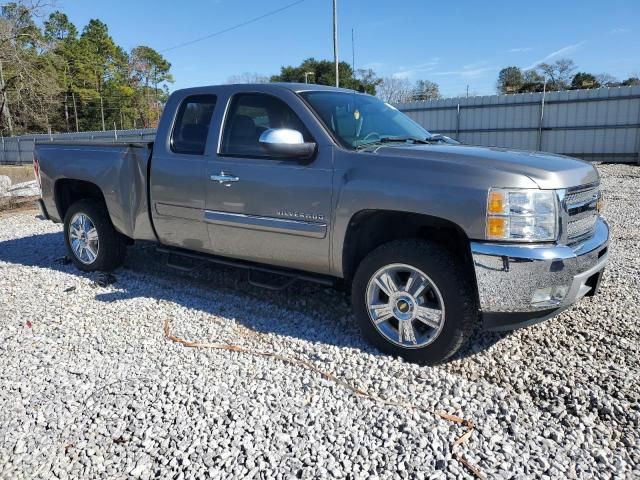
x=224 y=178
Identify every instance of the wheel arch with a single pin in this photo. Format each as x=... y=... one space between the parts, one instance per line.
x=68 y=191
x=369 y=229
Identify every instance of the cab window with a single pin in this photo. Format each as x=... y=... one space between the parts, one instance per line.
x=191 y=128
x=252 y=114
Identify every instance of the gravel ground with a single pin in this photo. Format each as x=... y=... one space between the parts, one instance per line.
x=90 y=387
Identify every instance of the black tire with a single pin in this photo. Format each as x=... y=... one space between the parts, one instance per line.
x=449 y=276
x=112 y=245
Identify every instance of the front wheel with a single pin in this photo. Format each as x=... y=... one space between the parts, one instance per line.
x=92 y=241
x=413 y=299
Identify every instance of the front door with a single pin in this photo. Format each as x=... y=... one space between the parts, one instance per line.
x=266 y=209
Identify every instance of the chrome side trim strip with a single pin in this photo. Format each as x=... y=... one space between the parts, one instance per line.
x=178 y=211
x=267 y=224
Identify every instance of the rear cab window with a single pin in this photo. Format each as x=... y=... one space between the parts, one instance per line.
x=190 y=130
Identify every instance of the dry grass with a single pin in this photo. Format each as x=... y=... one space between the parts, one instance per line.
x=18 y=173
x=13 y=205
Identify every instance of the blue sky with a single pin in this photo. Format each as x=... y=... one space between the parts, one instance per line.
x=454 y=44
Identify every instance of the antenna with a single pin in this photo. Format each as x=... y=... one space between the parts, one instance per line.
x=353 y=55
x=335 y=41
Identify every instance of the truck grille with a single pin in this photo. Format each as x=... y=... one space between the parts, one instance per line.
x=581 y=205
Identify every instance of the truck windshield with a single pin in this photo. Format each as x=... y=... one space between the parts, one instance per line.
x=358 y=120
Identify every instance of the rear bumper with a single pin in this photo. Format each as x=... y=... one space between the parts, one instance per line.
x=519 y=285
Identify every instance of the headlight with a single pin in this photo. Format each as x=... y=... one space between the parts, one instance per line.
x=522 y=215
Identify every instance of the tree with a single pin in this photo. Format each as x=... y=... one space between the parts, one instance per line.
x=61 y=36
x=510 y=80
x=95 y=62
x=248 y=77
x=148 y=69
x=28 y=86
x=607 y=80
x=425 y=90
x=582 y=80
x=558 y=74
x=368 y=80
x=532 y=81
x=631 y=81
x=394 y=90
x=19 y=26
x=59 y=28
x=324 y=74
x=53 y=78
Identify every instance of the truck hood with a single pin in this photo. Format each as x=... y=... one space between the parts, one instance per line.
x=547 y=170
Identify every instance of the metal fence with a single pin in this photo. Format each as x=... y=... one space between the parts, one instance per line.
x=599 y=125
x=19 y=150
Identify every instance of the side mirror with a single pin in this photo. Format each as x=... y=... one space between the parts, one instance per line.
x=288 y=143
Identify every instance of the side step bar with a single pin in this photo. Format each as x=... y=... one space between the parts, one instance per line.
x=291 y=275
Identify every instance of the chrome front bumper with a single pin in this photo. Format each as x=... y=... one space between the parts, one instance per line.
x=509 y=275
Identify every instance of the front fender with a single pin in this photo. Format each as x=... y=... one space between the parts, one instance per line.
x=450 y=192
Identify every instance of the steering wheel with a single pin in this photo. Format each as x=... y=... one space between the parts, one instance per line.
x=370 y=134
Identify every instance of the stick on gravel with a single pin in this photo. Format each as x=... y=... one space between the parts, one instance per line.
x=358 y=391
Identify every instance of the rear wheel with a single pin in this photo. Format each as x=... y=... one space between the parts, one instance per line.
x=413 y=299
x=92 y=241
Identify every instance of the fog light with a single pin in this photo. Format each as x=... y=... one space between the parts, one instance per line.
x=549 y=296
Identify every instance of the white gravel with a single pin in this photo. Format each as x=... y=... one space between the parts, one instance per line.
x=23 y=189
x=90 y=388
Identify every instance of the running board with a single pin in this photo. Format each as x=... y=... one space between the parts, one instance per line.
x=289 y=280
x=291 y=275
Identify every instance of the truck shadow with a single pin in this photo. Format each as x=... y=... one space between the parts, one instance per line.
x=303 y=310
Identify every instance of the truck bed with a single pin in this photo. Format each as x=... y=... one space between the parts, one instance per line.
x=118 y=169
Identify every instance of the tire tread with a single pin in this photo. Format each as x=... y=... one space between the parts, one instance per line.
x=113 y=246
x=440 y=260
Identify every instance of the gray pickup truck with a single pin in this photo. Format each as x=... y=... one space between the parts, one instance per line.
x=433 y=239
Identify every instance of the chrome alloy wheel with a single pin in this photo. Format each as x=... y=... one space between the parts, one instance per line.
x=405 y=305
x=83 y=238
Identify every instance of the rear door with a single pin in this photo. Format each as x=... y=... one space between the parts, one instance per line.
x=271 y=210
x=178 y=174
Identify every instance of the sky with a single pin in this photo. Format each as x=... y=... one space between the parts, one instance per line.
x=455 y=44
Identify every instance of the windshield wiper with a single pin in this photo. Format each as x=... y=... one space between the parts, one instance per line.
x=390 y=139
x=402 y=139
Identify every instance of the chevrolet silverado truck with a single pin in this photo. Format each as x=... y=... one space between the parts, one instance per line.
x=434 y=240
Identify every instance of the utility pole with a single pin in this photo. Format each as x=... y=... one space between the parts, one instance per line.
x=75 y=110
x=155 y=77
x=66 y=111
x=544 y=93
x=66 y=99
x=104 y=129
x=335 y=40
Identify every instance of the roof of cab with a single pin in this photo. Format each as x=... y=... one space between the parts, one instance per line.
x=295 y=87
x=305 y=87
